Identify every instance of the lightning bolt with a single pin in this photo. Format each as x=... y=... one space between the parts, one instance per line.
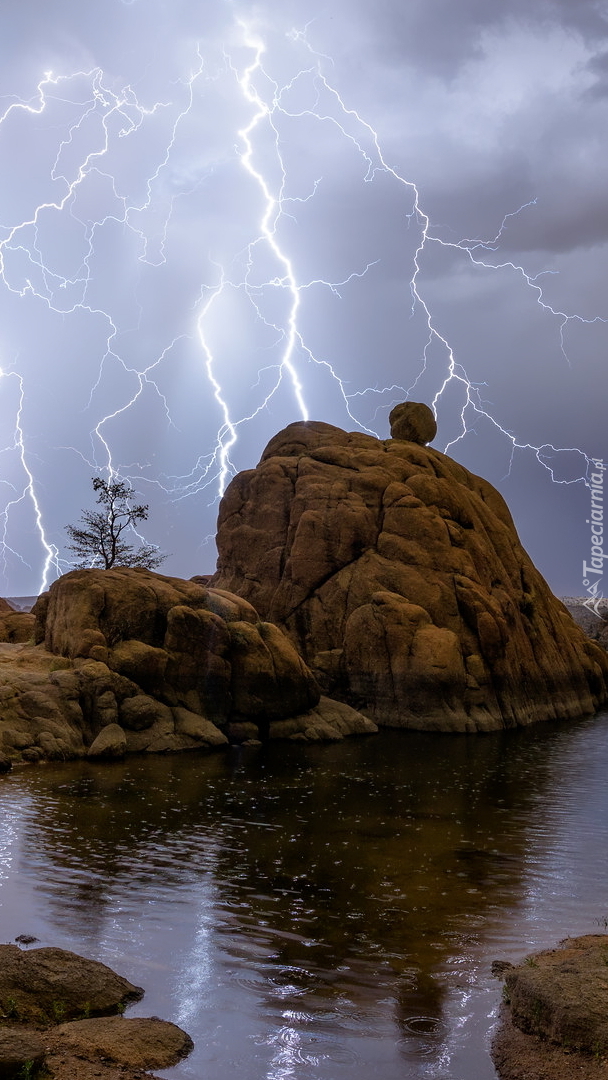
x=119 y=174
x=28 y=493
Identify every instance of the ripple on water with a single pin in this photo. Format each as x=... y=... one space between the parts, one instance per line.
x=422 y=1036
x=283 y=981
x=303 y=1040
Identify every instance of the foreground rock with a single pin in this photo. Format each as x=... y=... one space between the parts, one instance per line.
x=555 y=1020
x=400 y=578
x=46 y=985
x=140 y=1043
x=41 y=988
x=130 y=661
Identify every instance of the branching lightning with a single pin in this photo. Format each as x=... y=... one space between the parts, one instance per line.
x=118 y=179
x=51 y=554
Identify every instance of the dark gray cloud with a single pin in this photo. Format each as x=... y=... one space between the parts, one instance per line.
x=145 y=305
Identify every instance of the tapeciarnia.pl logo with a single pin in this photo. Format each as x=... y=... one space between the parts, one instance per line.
x=594 y=570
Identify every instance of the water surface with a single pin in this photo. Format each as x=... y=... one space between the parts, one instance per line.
x=319 y=912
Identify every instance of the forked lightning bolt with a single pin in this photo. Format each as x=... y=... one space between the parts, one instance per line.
x=97 y=191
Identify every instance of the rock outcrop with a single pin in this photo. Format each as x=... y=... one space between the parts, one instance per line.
x=554 y=1022
x=400 y=578
x=42 y=988
x=129 y=661
x=176 y=644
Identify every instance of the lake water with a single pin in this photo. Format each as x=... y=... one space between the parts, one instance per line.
x=321 y=912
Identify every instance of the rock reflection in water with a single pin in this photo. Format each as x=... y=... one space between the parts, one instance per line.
x=306 y=908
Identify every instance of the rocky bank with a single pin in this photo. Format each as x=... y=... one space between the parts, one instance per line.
x=554 y=1022
x=399 y=577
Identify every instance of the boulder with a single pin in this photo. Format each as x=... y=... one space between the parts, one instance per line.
x=51 y=984
x=40 y=712
x=42 y=990
x=329 y=721
x=140 y=1043
x=399 y=577
x=110 y=743
x=141 y=712
x=203 y=664
x=561 y=994
x=413 y=422
x=198 y=728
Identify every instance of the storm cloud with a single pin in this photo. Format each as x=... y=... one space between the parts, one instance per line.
x=427 y=179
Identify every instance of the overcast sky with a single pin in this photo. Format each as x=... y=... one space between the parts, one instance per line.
x=202 y=243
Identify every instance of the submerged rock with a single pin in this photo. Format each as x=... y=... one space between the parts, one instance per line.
x=400 y=578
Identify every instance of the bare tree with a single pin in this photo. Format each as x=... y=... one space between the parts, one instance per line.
x=99 y=542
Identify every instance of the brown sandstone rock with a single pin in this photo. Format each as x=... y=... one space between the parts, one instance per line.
x=54 y=984
x=141 y=712
x=400 y=578
x=200 y=649
x=198 y=728
x=329 y=721
x=41 y=988
x=204 y=661
x=562 y=994
x=110 y=743
x=141 y=1042
x=413 y=422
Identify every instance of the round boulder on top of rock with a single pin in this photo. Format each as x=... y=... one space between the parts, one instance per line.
x=413 y=421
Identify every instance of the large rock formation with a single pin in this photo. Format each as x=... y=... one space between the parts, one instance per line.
x=130 y=661
x=180 y=645
x=400 y=577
